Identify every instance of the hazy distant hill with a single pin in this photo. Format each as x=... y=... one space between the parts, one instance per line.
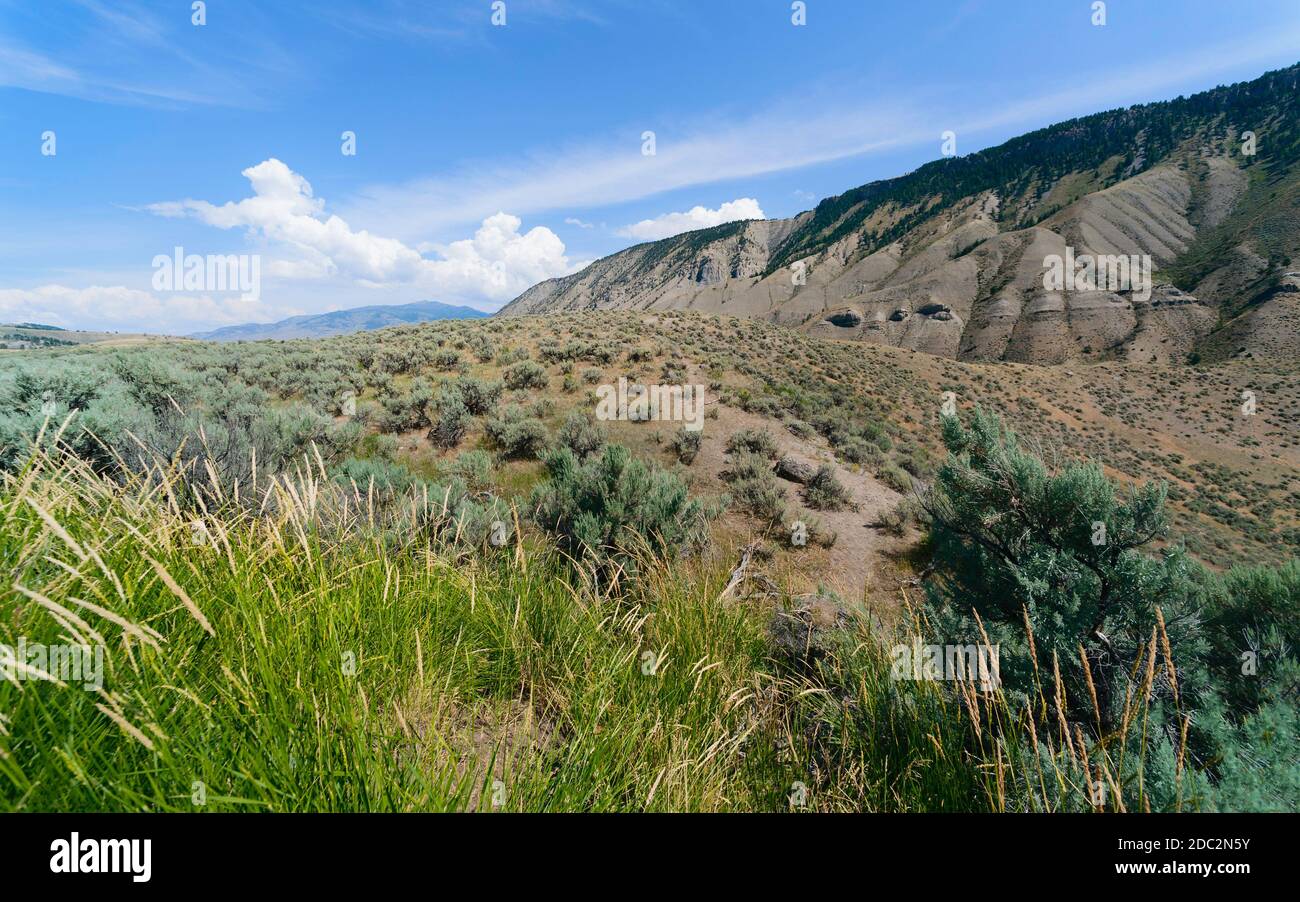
x=26 y=336
x=342 y=322
x=949 y=259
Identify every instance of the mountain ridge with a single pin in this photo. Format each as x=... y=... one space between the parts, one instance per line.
x=342 y=322
x=948 y=258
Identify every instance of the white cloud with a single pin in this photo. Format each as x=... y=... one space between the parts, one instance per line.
x=574 y=221
x=319 y=263
x=118 y=308
x=498 y=262
x=695 y=218
x=614 y=171
x=816 y=125
x=495 y=265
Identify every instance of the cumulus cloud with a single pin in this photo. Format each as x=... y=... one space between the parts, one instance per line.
x=496 y=264
x=695 y=218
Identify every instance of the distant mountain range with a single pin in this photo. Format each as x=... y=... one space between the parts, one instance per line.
x=342 y=322
x=950 y=259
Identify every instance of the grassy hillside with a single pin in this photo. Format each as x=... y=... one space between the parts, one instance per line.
x=337 y=665
x=410 y=570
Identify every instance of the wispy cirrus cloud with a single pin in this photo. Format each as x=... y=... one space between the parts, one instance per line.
x=34 y=71
x=813 y=127
x=418 y=21
x=612 y=171
x=96 y=52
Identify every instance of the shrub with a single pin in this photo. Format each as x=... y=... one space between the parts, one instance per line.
x=672 y=373
x=1008 y=533
x=386 y=477
x=446 y=359
x=474 y=468
x=834 y=425
x=473 y=522
x=480 y=395
x=72 y=389
x=799 y=429
x=825 y=492
x=686 y=444
x=516 y=433
x=407 y=410
x=766 y=405
x=895 y=520
x=895 y=478
x=580 y=435
x=917 y=463
x=859 y=451
x=280 y=435
x=1062 y=554
x=451 y=419
x=399 y=359
x=746 y=465
x=377 y=444
x=512 y=355
x=755 y=489
x=151 y=383
x=820 y=535
x=482 y=347
x=754 y=441
x=525 y=374
x=1252 y=614
x=603 y=510
x=763 y=498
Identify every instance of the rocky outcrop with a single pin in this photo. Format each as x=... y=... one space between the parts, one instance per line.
x=795 y=470
x=845 y=318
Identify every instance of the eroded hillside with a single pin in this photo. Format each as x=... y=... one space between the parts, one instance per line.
x=950 y=259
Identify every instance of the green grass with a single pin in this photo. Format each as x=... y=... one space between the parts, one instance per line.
x=497 y=665
x=303 y=650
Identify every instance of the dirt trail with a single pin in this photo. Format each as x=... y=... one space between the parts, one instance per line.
x=860 y=557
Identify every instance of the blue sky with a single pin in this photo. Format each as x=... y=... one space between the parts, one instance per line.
x=491 y=156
